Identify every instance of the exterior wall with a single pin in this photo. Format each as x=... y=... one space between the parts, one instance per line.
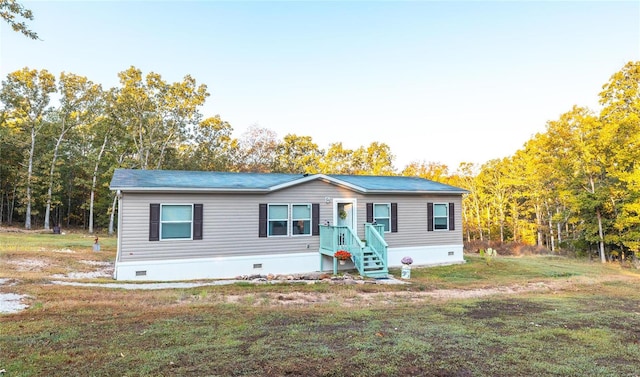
x=231 y=246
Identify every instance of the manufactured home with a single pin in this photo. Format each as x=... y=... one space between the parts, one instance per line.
x=185 y=225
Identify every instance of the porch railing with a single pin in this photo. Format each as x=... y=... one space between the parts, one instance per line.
x=374 y=234
x=334 y=238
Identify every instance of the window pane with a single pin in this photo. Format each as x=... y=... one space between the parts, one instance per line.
x=381 y=210
x=278 y=212
x=277 y=228
x=440 y=210
x=384 y=222
x=301 y=211
x=302 y=227
x=440 y=222
x=176 y=213
x=176 y=230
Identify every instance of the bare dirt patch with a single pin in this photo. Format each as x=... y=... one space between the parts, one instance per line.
x=63 y=250
x=496 y=308
x=105 y=270
x=359 y=299
x=28 y=264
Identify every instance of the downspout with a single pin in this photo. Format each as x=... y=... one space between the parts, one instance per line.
x=119 y=235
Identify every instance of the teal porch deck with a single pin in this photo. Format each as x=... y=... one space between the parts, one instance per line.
x=370 y=258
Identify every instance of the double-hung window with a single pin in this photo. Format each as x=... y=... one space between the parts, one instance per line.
x=288 y=219
x=440 y=216
x=301 y=219
x=382 y=215
x=176 y=221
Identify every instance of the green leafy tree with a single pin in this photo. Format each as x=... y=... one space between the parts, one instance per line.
x=493 y=178
x=620 y=114
x=466 y=177
x=297 y=154
x=158 y=116
x=79 y=104
x=376 y=159
x=212 y=149
x=336 y=160
x=580 y=147
x=26 y=97
x=11 y=158
x=13 y=13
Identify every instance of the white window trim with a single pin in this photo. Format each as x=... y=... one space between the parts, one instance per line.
x=374 y=214
x=310 y=219
x=288 y=219
x=162 y=222
x=446 y=206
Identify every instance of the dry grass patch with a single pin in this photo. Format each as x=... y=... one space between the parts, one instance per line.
x=530 y=316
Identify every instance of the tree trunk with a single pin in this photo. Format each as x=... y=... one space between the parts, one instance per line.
x=465 y=221
x=93 y=183
x=603 y=257
x=479 y=223
x=11 y=205
x=69 y=193
x=538 y=224
x=551 y=235
x=515 y=222
x=27 y=219
x=51 y=171
x=488 y=223
x=2 y=205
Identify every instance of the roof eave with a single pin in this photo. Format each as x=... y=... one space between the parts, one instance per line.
x=416 y=192
x=313 y=177
x=186 y=189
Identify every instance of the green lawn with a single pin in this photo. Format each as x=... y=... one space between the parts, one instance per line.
x=583 y=319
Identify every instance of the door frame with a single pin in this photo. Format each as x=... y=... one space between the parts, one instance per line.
x=354 y=211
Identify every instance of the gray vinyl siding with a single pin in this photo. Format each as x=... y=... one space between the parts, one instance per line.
x=230 y=222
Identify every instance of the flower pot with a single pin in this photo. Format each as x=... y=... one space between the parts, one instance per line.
x=342 y=261
x=406 y=271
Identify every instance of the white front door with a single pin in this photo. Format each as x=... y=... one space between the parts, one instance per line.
x=344 y=213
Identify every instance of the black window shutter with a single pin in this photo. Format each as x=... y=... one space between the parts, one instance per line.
x=262 y=220
x=315 y=219
x=430 y=217
x=154 y=222
x=370 y=212
x=394 y=217
x=452 y=220
x=197 y=221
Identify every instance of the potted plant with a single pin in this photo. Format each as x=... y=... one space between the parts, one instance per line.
x=342 y=256
x=406 y=267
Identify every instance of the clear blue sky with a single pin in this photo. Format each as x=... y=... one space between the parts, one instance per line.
x=437 y=81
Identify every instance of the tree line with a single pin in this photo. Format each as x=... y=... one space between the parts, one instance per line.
x=62 y=137
x=574 y=186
